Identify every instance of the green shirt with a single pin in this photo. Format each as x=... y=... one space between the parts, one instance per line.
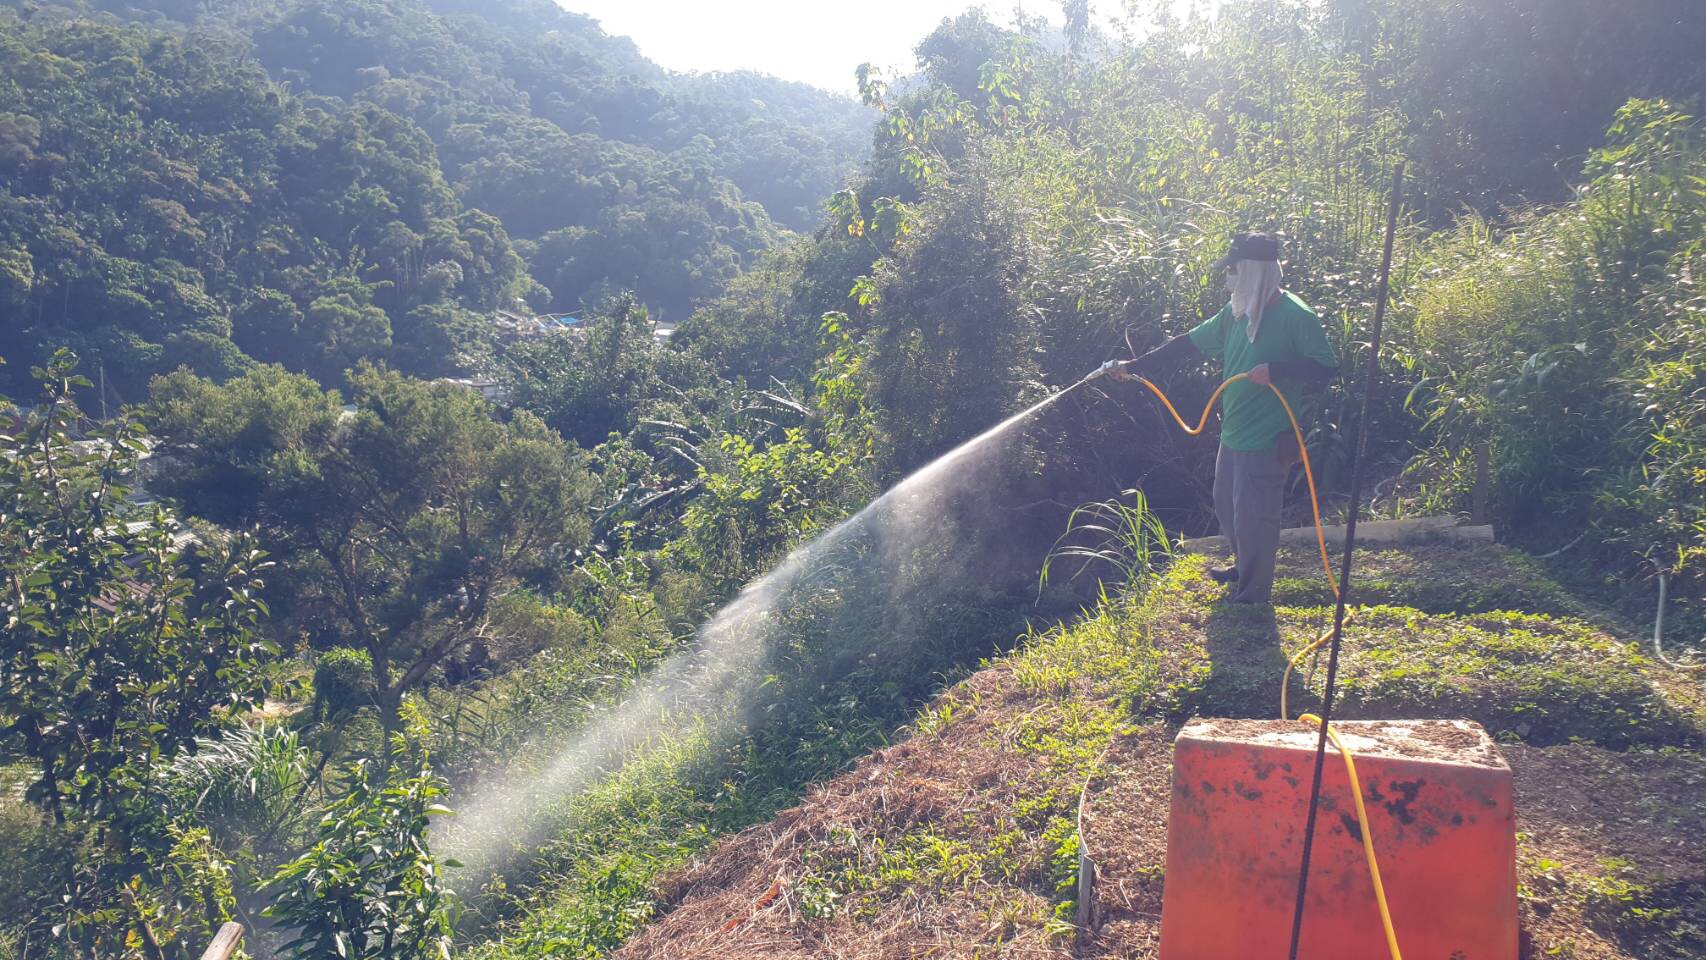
x=1251 y=416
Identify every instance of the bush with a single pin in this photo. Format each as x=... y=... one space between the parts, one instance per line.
x=369 y=889
x=37 y=863
x=245 y=785
x=343 y=681
x=1567 y=342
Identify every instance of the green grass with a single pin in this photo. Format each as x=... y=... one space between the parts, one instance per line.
x=1528 y=676
x=1663 y=920
x=1442 y=576
x=858 y=875
x=591 y=887
x=38 y=859
x=594 y=883
x=1538 y=677
x=1659 y=921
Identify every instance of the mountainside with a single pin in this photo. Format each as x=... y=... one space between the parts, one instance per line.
x=963 y=839
x=317 y=182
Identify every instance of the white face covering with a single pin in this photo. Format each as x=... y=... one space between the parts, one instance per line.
x=1253 y=284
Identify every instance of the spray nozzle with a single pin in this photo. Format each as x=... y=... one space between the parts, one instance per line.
x=1104 y=370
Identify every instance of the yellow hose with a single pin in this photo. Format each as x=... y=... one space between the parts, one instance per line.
x=1327 y=566
x=1297 y=431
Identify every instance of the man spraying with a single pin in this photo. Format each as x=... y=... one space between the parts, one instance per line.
x=1274 y=337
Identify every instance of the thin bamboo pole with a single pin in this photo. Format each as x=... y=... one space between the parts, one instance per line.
x=1369 y=377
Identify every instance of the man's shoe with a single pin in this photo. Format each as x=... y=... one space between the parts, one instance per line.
x=1224 y=574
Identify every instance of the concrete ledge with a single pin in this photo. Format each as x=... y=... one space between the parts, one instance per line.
x=1368 y=531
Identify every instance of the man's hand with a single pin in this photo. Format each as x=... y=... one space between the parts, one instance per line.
x=1259 y=375
x=1120 y=372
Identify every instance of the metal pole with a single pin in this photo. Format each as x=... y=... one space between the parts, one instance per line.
x=1370 y=374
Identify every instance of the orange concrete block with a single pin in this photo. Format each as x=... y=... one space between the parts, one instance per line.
x=1438 y=795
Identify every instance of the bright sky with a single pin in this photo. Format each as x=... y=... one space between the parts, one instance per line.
x=819 y=42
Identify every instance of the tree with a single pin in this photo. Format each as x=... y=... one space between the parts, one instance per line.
x=347 y=329
x=430 y=339
x=118 y=648
x=1504 y=97
x=408 y=518
x=953 y=344
x=588 y=388
x=267 y=325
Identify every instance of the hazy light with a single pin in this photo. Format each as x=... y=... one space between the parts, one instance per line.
x=816 y=43
x=918 y=537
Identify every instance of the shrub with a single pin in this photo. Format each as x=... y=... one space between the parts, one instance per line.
x=246 y=784
x=343 y=681
x=369 y=888
x=1566 y=343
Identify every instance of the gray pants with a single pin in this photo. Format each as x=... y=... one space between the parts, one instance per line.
x=1249 y=488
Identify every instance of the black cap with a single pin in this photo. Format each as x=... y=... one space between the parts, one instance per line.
x=1250 y=246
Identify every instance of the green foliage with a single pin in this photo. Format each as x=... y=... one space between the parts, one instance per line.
x=368 y=887
x=1447 y=576
x=236 y=199
x=766 y=324
x=666 y=803
x=1566 y=343
x=1034 y=213
x=346 y=330
x=246 y=787
x=952 y=355
x=195 y=896
x=1519 y=675
x=316 y=185
x=1112 y=648
x=395 y=146
x=765 y=502
x=1659 y=920
x=40 y=862
x=1126 y=539
x=556 y=665
x=1532 y=677
x=121 y=648
x=589 y=388
x=1498 y=93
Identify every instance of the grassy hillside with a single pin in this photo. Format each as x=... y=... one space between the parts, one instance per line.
x=960 y=839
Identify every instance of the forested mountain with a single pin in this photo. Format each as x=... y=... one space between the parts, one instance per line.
x=315 y=182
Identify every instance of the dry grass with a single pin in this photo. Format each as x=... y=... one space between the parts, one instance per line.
x=935 y=847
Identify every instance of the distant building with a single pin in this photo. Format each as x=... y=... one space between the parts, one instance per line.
x=510 y=325
x=488 y=388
